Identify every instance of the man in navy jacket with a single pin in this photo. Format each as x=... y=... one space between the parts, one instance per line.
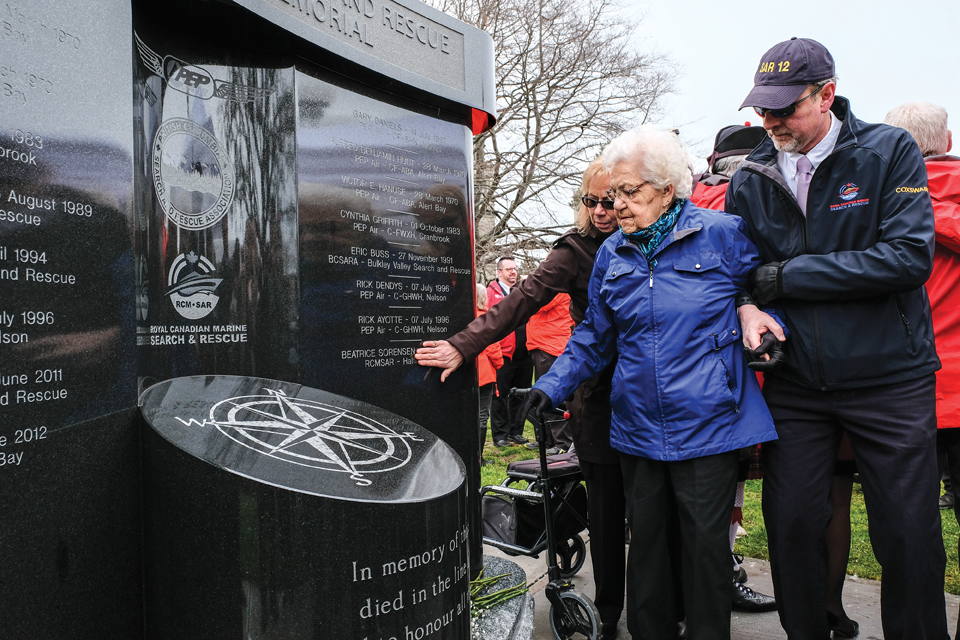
x=840 y=213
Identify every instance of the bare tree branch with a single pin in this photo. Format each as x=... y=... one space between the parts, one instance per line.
x=568 y=79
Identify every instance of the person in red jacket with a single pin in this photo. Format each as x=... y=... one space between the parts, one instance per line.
x=927 y=123
x=488 y=362
x=547 y=333
x=517 y=369
x=730 y=149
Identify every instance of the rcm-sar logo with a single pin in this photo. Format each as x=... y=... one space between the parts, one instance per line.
x=849 y=191
x=192 y=285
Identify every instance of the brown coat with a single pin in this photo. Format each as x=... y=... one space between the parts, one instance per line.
x=566 y=269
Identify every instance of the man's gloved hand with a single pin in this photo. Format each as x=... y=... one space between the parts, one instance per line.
x=768 y=345
x=767 y=282
x=536 y=400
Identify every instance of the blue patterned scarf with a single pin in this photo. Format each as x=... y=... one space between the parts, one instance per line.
x=647 y=240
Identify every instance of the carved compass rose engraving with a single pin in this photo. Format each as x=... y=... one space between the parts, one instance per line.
x=312 y=434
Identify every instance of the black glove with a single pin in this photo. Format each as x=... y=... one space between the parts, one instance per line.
x=769 y=345
x=767 y=282
x=535 y=400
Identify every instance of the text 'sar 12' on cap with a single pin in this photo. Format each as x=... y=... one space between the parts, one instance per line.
x=786 y=70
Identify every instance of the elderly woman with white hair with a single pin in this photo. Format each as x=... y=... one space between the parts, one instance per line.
x=662 y=302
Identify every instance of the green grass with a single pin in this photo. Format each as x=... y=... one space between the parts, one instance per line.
x=862 y=561
x=495 y=472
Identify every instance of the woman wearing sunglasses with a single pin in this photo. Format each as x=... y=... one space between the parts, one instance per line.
x=567 y=269
x=684 y=401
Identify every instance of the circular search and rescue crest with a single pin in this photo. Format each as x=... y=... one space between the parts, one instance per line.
x=192 y=173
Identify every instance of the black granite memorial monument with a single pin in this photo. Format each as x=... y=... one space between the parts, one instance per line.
x=274 y=510
x=269 y=188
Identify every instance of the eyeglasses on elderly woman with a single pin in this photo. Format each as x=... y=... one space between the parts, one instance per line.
x=625 y=193
x=591 y=203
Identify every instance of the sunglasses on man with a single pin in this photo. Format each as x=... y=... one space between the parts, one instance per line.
x=788 y=110
x=591 y=203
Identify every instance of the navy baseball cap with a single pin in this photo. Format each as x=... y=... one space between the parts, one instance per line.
x=736 y=140
x=786 y=70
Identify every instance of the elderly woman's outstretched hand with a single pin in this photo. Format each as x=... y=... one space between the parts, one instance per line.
x=439 y=353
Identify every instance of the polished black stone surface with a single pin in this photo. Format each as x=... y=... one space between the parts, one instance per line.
x=69 y=466
x=66 y=313
x=70 y=534
x=297 y=225
x=273 y=510
x=302 y=439
x=386 y=258
x=216 y=224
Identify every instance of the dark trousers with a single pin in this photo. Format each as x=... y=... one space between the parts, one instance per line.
x=948 y=455
x=606 y=509
x=513 y=373
x=487 y=392
x=948 y=450
x=892 y=429
x=559 y=433
x=696 y=495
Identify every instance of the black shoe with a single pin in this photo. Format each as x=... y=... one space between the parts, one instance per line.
x=609 y=631
x=946 y=501
x=502 y=443
x=518 y=439
x=740 y=574
x=532 y=445
x=843 y=627
x=746 y=599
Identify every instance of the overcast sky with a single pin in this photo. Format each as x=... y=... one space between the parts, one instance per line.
x=886 y=53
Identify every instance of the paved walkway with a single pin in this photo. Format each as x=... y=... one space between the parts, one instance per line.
x=861 y=600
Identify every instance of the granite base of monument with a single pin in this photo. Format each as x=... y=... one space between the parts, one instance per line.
x=70 y=533
x=513 y=619
x=272 y=510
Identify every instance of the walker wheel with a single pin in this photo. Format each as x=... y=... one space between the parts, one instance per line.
x=571 y=555
x=579 y=619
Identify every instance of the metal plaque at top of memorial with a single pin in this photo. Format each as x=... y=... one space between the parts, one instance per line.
x=386 y=30
x=65 y=202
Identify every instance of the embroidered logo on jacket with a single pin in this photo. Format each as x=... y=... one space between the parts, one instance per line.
x=848 y=193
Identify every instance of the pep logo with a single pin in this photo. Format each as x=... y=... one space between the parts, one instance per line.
x=193 y=80
x=912 y=189
x=189 y=79
x=775 y=67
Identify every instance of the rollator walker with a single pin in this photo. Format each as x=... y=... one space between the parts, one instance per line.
x=548 y=515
